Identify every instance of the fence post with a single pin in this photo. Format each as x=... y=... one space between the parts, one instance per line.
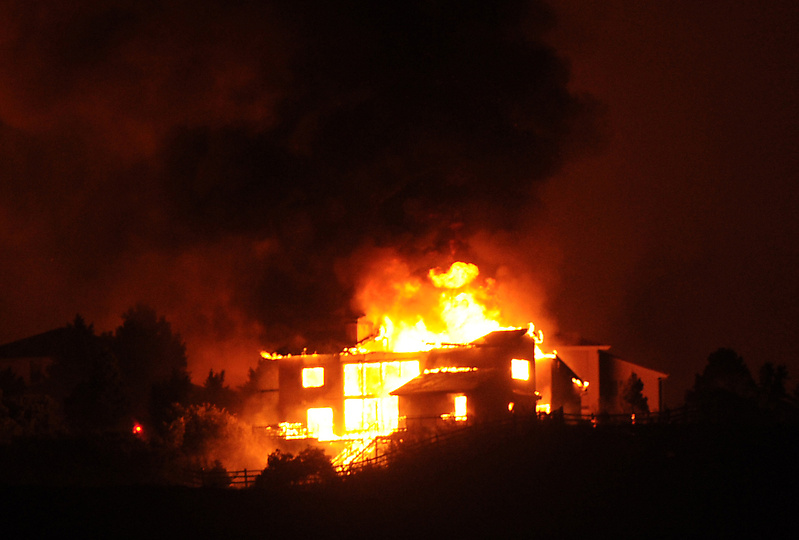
x=245 y=477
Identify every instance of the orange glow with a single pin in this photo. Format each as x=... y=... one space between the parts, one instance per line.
x=313 y=377
x=542 y=408
x=293 y=430
x=452 y=306
x=368 y=407
x=450 y=369
x=320 y=423
x=458 y=275
x=582 y=385
x=460 y=408
x=407 y=312
x=520 y=369
x=138 y=430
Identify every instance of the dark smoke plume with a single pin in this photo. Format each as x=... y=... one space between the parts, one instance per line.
x=225 y=160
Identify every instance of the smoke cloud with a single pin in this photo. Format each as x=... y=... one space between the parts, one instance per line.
x=233 y=164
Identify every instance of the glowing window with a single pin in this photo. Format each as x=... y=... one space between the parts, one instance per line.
x=395 y=374
x=460 y=407
x=320 y=423
x=352 y=380
x=371 y=379
x=353 y=414
x=389 y=413
x=313 y=377
x=361 y=414
x=368 y=406
x=409 y=370
x=520 y=369
x=542 y=408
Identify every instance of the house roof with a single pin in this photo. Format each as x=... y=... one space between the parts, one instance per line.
x=500 y=337
x=39 y=346
x=459 y=381
x=569 y=371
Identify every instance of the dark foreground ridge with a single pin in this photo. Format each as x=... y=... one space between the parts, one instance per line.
x=528 y=480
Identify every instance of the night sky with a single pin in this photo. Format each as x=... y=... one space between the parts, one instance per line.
x=237 y=165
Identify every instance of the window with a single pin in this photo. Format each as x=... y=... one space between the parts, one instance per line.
x=367 y=406
x=460 y=407
x=520 y=369
x=542 y=408
x=377 y=378
x=320 y=423
x=313 y=377
x=371 y=379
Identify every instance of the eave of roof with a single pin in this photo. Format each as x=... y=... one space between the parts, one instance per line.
x=460 y=381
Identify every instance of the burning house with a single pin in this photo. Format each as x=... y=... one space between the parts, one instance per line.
x=385 y=383
x=354 y=393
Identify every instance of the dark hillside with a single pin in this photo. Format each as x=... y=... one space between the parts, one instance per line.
x=526 y=480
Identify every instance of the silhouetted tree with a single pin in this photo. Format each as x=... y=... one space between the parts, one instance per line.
x=315 y=465
x=216 y=477
x=215 y=391
x=310 y=466
x=76 y=356
x=263 y=377
x=771 y=382
x=167 y=401
x=148 y=353
x=11 y=384
x=633 y=396
x=84 y=378
x=204 y=433
x=258 y=400
x=774 y=399
x=30 y=415
x=725 y=390
x=98 y=402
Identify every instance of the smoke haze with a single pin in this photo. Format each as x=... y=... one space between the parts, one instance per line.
x=232 y=164
x=238 y=166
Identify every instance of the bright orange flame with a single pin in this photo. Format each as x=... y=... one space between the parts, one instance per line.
x=449 y=307
x=458 y=275
x=137 y=429
x=412 y=312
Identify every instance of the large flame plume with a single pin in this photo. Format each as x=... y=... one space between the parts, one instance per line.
x=414 y=313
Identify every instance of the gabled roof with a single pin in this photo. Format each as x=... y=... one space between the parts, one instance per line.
x=38 y=346
x=569 y=371
x=460 y=381
x=500 y=337
x=638 y=367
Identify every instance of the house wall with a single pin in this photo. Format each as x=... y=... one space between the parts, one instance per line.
x=490 y=401
x=615 y=374
x=294 y=400
x=543 y=381
x=565 y=393
x=555 y=387
x=607 y=375
x=584 y=361
x=423 y=412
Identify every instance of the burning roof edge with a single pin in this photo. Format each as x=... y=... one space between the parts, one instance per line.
x=499 y=337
